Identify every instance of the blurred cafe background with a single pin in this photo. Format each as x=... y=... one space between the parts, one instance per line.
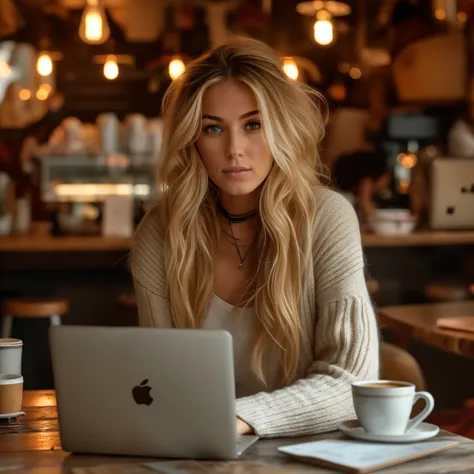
x=81 y=82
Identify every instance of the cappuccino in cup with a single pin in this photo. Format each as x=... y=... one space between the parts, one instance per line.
x=383 y=407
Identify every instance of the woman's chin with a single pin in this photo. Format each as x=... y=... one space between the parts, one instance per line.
x=238 y=190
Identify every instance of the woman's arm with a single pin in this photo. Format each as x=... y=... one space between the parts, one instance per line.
x=346 y=339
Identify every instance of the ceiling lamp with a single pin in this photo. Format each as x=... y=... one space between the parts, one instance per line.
x=323 y=28
x=290 y=68
x=94 y=28
x=44 y=64
x=335 y=8
x=323 y=11
x=111 y=69
x=176 y=68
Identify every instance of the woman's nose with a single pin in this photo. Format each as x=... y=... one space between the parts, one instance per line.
x=235 y=144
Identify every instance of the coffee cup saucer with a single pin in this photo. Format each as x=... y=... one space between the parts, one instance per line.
x=421 y=432
x=11 y=416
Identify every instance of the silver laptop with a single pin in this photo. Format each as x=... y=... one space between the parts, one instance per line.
x=452 y=193
x=146 y=392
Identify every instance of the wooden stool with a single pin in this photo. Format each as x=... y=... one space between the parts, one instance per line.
x=32 y=308
x=446 y=292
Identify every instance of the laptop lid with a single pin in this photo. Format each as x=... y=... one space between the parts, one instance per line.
x=145 y=391
x=452 y=193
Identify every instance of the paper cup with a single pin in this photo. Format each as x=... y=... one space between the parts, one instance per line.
x=11 y=393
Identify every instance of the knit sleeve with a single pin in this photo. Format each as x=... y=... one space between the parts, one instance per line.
x=346 y=341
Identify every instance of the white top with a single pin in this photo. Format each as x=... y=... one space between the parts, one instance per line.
x=239 y=323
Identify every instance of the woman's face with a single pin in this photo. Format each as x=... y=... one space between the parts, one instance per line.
x=232 y=144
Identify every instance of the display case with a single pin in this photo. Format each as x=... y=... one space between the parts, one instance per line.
x=86 y=179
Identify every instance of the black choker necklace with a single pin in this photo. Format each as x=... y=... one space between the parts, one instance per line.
x=235 y=218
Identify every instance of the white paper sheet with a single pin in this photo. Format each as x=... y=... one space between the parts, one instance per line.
x=361 y=454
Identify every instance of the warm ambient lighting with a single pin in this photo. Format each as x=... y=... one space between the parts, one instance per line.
x=44 y=65
x=111 y=69
x=290 y=68
x=78 y=191
x=43 y=92
x=94 y=28
x=355 y=73
x=24 y=94
x=176 y=68
x=5 y=69
x=440 y=14
x=407 y=160
x=323 y=28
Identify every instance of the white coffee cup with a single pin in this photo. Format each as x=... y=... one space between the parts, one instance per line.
x=10 y=356
x=383 y=407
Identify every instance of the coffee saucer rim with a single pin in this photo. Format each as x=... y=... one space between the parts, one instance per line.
x=413 y=436
x=6 y=416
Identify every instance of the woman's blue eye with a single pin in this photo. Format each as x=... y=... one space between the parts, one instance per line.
x=253 y=125
x=212 y=129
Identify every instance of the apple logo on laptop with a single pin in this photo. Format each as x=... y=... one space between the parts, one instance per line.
x=141 y=393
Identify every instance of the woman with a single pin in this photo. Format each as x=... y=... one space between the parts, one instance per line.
x=244 y=238
x=364 y=179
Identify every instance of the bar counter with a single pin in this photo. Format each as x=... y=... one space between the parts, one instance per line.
x=32 y=243
x=43 y=243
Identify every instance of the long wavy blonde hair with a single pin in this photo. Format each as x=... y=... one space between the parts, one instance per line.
x=293 y=125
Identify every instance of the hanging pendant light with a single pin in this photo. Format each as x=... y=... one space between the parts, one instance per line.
x=290 y=68
x=176 y=68
x=325 y=11
x=323 y=28
x=44 y=64
x=94 y=28
x=111 y=69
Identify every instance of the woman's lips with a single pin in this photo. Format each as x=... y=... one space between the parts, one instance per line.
x=236 y=173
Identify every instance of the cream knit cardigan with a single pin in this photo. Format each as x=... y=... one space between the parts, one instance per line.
x=340 y=339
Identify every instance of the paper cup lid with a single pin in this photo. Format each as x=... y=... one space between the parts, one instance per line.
x=10 y=379
x=10 y=343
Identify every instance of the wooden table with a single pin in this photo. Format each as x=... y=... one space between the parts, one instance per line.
x=48 y=243
x=97 y=243
x=419 y=322
x=419 y=238
x=33 y=445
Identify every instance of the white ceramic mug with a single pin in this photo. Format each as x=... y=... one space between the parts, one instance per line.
x=10 y=356
x=383 y=407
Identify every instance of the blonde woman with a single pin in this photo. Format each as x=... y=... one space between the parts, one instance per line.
x=245 y=238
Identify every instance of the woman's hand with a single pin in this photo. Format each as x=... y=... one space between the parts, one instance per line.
x=243 y=428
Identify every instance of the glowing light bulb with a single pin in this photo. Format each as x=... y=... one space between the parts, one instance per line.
x=176 y=68
x=111 y=69
x=44 y=65
x=323 y=28
x=290 y=68
x=94 y=28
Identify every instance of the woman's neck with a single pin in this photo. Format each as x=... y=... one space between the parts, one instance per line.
x=239 y=205
x=246 y=230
